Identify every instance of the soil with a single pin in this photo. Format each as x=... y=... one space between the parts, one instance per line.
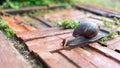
x=32 y=59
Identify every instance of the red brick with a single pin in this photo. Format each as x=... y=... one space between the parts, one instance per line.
x=9 y=56
x=50 y=24
x=64 y=14
x=55 y=5
x=29 y=28
x=106 y=51
x=12 y=24
x=55 y=60
x=18 y=18
x=40 y=34
x=114 y=43
x=40 y=30
x=27 y=20
x=100 y=8
x=97 y=58
x=80 y=61
x=47 y=44
x=115 y=46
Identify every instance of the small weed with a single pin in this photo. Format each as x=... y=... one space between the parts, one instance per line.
x=9 y=32
x=66 y=24
x=32 y=24
x=108 y=24
x=111 y=34
x=4 y=27
x=103 y=39
x=117 y=20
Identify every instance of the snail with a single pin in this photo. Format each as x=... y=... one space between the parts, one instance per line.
x=87 y=29
x=85 y=32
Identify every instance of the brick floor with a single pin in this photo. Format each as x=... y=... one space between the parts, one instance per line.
x=47 y=42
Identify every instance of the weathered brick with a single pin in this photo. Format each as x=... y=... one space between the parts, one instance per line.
x=9 y=56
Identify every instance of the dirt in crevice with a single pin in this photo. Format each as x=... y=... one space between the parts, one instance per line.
x=29 y=56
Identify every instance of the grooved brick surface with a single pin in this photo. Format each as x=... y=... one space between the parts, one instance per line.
x=9 y=56
x=47 y=42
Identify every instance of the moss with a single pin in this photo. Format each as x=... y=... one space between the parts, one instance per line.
x=9 y=32
x=4 y=27
x=108 y=24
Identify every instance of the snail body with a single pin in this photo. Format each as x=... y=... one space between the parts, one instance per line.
x=87 y=29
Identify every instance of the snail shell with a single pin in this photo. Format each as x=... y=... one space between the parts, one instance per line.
x=87 y=29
